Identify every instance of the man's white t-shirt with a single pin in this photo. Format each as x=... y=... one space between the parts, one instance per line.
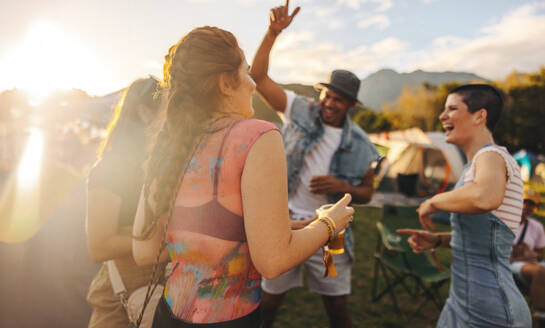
x=535 y=235
x=302 y=202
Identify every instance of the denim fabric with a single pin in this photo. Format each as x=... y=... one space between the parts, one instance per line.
x=350 y=162
x=482 y=290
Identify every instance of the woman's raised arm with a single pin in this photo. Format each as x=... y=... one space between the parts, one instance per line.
x=483 y=195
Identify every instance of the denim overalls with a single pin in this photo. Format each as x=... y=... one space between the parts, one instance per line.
x=482 y=290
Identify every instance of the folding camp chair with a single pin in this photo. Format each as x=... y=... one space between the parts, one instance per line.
x=396 y=264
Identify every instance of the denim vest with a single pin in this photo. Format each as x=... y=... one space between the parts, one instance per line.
x=350 y=162
x=482 y=290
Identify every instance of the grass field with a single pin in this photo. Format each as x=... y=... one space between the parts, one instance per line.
x=304 y=309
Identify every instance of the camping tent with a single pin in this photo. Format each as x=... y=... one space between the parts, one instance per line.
x=417 y=163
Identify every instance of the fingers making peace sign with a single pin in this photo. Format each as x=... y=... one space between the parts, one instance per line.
x=280 y=18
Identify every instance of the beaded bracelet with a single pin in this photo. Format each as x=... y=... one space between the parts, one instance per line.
x=330 y=222
x=330 y=229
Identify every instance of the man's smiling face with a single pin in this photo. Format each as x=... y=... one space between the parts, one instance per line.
x=334 y=107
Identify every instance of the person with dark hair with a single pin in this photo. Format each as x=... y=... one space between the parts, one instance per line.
x=327 y=155
x=113 y=188
x=526 y=258
x=216 y=186
x=478 y=96
x=486 y=207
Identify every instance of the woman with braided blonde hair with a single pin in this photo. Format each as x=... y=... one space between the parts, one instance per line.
x=216 y=192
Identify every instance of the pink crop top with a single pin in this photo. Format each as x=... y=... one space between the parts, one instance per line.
x=214 y=279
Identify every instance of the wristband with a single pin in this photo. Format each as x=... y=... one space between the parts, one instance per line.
x=330 y=222
x=330 y=228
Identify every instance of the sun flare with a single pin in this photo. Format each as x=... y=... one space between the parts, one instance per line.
x=48 y=59
x=29 y=167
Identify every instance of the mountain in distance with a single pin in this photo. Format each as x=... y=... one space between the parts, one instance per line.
x=385 y=85
x=377 y=89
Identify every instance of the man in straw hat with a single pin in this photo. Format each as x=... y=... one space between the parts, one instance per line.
x=327 y=155
x=527 y=257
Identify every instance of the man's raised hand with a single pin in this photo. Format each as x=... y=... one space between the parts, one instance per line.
x=280 y=18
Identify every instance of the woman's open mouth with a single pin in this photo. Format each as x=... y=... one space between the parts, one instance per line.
x=448 y=128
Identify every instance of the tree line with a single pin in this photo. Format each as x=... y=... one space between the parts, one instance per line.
x=522 y=125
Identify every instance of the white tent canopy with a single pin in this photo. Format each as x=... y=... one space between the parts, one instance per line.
x=433 y=164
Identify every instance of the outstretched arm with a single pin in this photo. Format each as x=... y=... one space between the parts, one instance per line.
x=482 y=195
x=423 y=240
x=273 y=94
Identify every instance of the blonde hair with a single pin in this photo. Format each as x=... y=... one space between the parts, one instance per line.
x=191 y=74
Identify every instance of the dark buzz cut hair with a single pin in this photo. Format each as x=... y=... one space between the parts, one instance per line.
x=482 y=96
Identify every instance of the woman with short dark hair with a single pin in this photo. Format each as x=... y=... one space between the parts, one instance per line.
x=486 y=205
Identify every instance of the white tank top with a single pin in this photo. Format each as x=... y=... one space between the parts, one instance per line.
x=510 y=209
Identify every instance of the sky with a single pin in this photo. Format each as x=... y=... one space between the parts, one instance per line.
x=101 y=46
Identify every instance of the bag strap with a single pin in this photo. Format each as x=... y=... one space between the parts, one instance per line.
x=217 y=167
x=115 y=278
x=521 y=238
x=154 y=280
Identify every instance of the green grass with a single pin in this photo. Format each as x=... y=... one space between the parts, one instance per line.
x=304 y=309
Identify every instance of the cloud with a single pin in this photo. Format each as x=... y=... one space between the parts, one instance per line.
x=155 y=65
x=303 y=57
x=354 y=4
x=379 y=21
x=335 y=24
x=382 y=5
x=325 y=11
x=516 y=42
x=389 y=46
x=327 y=16
x=241 y=2
x=250 y=2
x=373 y=15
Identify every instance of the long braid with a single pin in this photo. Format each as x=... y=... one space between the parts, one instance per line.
x=191 y=72
x=155 y=276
